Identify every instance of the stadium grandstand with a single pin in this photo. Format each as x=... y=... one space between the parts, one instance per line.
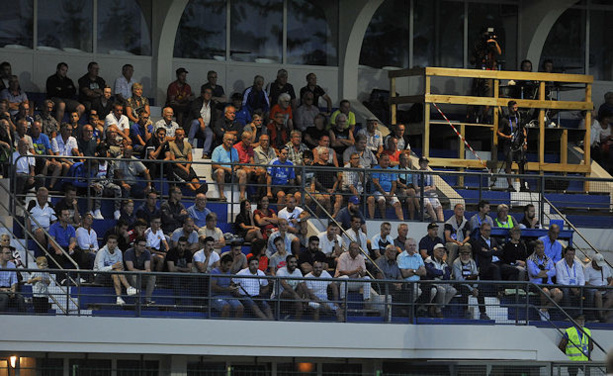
x=291 y=187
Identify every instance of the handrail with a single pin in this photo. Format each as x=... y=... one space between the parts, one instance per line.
x=574 y=229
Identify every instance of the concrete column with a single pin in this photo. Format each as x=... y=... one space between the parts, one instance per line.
x=537 y=19
x=354 y=17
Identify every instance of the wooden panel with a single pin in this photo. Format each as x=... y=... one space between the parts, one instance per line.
x=407 y=99
x=530 y=166
x=455 y=123
x=487 y=101
x=406 y=72
x=508 y=75
x=426 y=141
x=587 y=137
x=391 y=100
x=542 y=124
x=564 y=147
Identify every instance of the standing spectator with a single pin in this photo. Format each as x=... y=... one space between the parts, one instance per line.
x=317 y=91
x=173 y=211
x=202 y=118
x=123 y=85
x=577 y=344
x=178 y=95
x=102 y=184
x=61 y=90
x=281 y=86
x=255 y=98
x=90 y=85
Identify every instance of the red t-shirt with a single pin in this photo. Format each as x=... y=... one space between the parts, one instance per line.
x=245 y=154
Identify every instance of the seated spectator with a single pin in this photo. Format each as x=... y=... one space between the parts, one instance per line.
x=246 y=154
x=355 y=234
x=206 y=259
x=326 y=185
x=256 y=129
x=438 y=270
x=291 y=290
x=179 y=95
x=376 y=246
x=103 y=186
x=296 y=217
x=514 y=253
x=281 y=177
x=224 y=291
x=406 y=189
x=431 y=202
x=489 y=257
x=258 y=249
x=199 y=211
x=40 y=282
x=225 y=172
x=352 y=209
x=344 y=107
x=129 y=173
x=314 y=133
x=180 y=151
x=553 y=248
x=9 y=282
x=503 y=219
x=187 y=231
x=281 y=86
x=149 y=209
x=279 y=256
x=367 y=158
x=103 y=105
x=123 y=85
x=167 y=123
x=50 y=126
x=480 y=217
x=385 y=187
x=255 y=98
x=569 y=272
x=324 y=144
x=317 y=292
x=465 y=269
x=64 y=145
x=541 y=270
x=70 y=202
x=62 y=243
x=352 y=181
x=279 y=134
x=118 y=122
x=283 y=106
x=253 y=290
x=239 y=260
x=317 y=91
x=140 y=132
x=351 y=265
x=331 y=243
x=87 y=143
x=341 y=138
x=387 y=268
x=403 y=143
x=24 y=164
x=179 y=260
x=245 y=225
x=263 y=154
x=97 y=124
x=311 y=254
x=427 y=243
x=529 y=220
x=296 y=148
x=265 y=218
x=305 y=116
x=202 y=121
x=597 y=276
x=173 y=211
x=24 y=113
x=411 y=267
x=210 y=229
x=139 y=229
x=123 y=235
x=137 y=103
x=158 y=149
x=90 y=85
x=15 y=95
x=374 y=137
x=61 y=90
x=110 y=258
x=138 y=259
x=156 y=241
x=290 y=241
x=457 y=233
x=41 y=215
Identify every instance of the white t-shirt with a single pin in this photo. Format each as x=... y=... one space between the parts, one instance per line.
x=318 y=288
x=122 y=123
x=44 y=216
x=201 y=257
x=250 y=285
x=596 y=277
x=285 y=214
x=154 y=239
x=326 y=245
x=24 y=163
x=283 y=272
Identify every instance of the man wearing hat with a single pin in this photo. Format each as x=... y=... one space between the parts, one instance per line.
x=438 y=270
x=427 y=243
x=353 y=208
x=577 y=343
x=179 y=94
x=598 y=274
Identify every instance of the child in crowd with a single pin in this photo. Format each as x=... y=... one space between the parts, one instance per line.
x=40 y=282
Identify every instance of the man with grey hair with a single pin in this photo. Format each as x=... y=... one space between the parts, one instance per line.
x=255 y=98
x=281 y=86
x=283 y=106
x=296 y=148
x=223 y=171
x=366 y=157
x=306 y=113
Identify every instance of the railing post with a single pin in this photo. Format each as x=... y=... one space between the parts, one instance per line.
x=542 y=201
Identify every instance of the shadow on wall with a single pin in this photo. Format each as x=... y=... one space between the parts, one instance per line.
x=26 y=84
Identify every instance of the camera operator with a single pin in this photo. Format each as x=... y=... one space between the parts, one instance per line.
x=483 y=57
x=513 y=138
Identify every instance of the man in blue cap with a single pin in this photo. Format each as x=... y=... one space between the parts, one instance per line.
x=353 y=208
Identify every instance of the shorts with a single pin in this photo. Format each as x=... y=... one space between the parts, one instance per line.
x=182 y=176
x=71 y=104
x=378 y=195
x=286 y=190
x=228 y=178
x=220 y=301
x=248 y=302
x=432 y=201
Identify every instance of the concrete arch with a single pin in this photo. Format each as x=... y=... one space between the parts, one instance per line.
x=355 y=17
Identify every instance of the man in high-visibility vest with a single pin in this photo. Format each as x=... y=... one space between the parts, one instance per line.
x=577 y=344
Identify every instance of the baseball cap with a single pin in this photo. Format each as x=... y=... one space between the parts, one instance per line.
x=599 y=259
x=181 y=70
x=432 y=225
x=354 y=200
x=439 y=245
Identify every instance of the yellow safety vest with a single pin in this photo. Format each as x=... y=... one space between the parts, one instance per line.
x=577 y=348
x=509 y=223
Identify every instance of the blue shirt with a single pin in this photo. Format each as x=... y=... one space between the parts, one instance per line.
x=385 y=180
x=62 y=236
x=221 y=156
x=198 y=216
x=552 y=250
x=8 y=278
x=406 y=261
x=223 y=282
x=281 y=175
x=41 y=144
x=137 y=129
